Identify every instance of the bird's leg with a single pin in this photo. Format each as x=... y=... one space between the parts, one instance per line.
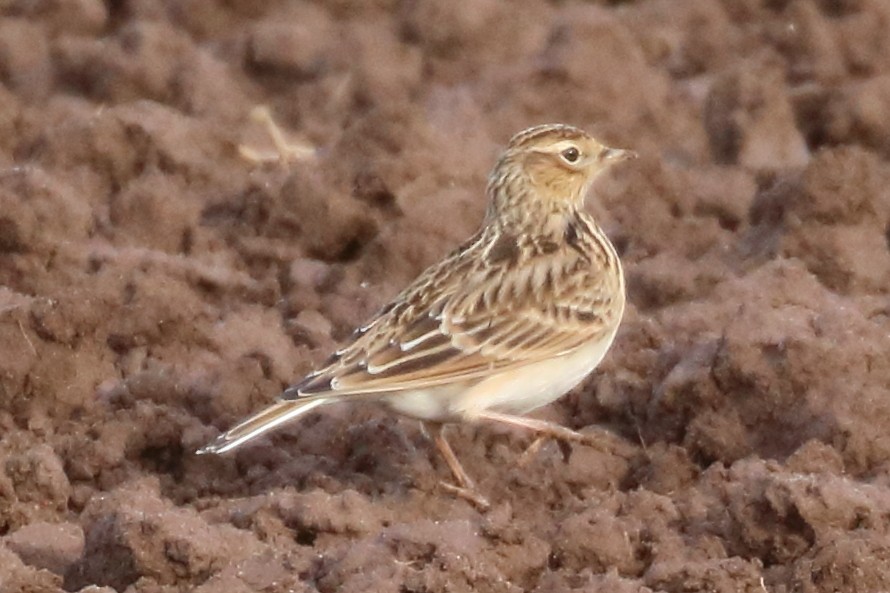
x=531 y=450
x=465 y=488
x=460 y=475
x=601 y=440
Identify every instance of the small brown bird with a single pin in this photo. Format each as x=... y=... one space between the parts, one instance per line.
x=509 y=322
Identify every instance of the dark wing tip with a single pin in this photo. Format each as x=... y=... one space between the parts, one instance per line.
x=311 y=385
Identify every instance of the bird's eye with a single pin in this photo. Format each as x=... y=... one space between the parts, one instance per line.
x=570 y=154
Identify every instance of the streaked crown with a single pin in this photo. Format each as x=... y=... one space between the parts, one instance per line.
x=551 y=132
x=548 y=167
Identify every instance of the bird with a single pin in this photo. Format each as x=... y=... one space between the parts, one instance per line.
x=511 y=320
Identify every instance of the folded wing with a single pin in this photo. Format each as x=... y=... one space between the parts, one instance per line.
x=468 y=317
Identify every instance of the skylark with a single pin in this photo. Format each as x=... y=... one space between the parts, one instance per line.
x=510 y=321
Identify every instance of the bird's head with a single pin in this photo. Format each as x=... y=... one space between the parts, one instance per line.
x=551 y=166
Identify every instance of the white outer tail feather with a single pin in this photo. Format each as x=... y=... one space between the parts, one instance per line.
x=268 y=419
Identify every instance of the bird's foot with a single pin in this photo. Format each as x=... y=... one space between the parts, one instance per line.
x=470 y=494
x=601 y=440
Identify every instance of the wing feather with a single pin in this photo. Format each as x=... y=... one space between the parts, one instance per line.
x=468 y=317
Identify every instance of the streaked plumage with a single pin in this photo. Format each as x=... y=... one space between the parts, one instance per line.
x=508 y=322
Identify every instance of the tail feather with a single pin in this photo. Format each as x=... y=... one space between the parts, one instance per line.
x=262 y=422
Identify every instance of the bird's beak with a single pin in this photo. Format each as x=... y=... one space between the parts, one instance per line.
x=616 y=155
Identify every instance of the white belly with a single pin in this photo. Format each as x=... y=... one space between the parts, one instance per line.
x=514 y=392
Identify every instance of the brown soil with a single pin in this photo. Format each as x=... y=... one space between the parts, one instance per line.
x=155 y=286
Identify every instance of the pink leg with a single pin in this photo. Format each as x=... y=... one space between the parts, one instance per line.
x=465 y=487
x=601 y=440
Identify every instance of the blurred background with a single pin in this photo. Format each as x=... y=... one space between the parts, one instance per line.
x=165 y=268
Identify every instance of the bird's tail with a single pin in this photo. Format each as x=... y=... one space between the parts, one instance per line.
x=264 y=421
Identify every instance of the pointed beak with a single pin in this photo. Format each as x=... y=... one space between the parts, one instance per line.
x=616 y=155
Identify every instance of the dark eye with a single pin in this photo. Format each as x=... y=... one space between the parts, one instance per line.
x=570 y=154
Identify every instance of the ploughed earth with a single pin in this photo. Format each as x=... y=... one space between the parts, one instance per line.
x=156 y=285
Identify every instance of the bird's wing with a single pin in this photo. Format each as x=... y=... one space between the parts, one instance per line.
x=475 y=313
